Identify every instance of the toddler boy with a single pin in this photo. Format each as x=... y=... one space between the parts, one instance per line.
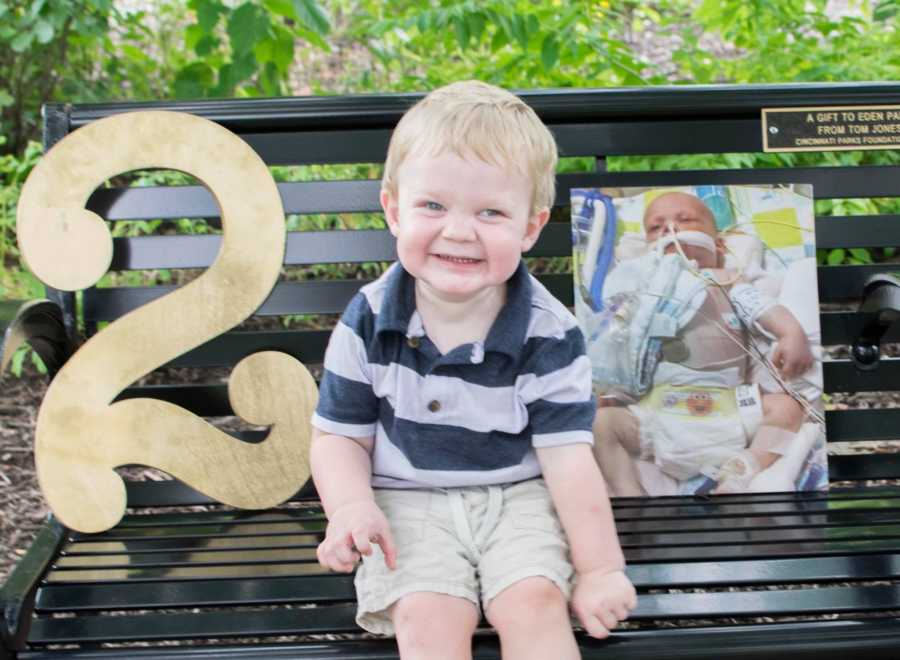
x=692 y=422
x=452 y=440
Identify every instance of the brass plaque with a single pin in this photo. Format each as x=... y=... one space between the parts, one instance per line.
x=831 y=128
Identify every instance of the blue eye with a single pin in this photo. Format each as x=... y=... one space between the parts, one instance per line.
x=491 y=213
x=433 y=206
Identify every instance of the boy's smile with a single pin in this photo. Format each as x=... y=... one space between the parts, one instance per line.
x=461 y=224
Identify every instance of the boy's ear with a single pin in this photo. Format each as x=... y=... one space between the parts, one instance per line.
x=533 y=230
x=391 y=211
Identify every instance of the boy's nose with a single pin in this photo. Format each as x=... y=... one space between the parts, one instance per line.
x=459 y=227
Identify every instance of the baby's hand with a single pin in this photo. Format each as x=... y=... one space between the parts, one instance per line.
x=792 y=355
x=601 y=600
x=352 y=528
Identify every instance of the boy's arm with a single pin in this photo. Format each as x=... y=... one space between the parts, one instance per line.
x=342 y=471
x=582 y=504
x=792 y=355
x=603 y=594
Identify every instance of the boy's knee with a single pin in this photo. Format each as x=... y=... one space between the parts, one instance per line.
x=430 y=624
x=528 y=604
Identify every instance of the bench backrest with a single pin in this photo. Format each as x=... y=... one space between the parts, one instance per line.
x=325 y=134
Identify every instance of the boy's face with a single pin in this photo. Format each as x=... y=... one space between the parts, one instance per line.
x=461 y=224
x=675 y=212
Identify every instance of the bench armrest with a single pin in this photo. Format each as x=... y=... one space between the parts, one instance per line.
x=18 y=593
x=38 y=323
x=881 y=299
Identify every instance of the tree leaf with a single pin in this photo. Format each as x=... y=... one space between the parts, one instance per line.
x=835 y=257
x=194 y=81
x=21 y=42
x=43 y=31
x=208 y=12
x=549 y=52
x=461 y=28
x=312 y=16
x=281 y=8
x=247 y=25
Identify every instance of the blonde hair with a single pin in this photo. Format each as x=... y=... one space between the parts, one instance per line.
x=472 y=118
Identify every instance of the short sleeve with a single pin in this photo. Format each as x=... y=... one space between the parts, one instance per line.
x=556 y=390
x=347 y=403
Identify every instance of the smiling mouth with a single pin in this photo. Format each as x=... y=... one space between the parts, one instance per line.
x=457 y=260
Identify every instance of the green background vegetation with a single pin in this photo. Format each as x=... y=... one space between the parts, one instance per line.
x=85 y=51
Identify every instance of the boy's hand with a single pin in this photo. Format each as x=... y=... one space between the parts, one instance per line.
x=352 y=528
x=792 y=355
x=602 y=599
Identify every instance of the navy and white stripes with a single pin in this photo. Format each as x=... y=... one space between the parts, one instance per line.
x=470 y=417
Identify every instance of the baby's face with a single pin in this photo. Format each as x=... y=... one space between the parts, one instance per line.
x=680 y=212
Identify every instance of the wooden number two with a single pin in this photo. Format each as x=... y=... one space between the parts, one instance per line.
x=81 y=434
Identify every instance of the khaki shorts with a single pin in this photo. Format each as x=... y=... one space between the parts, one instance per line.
x=466 y=542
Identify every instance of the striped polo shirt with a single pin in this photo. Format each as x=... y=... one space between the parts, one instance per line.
x=470 y=417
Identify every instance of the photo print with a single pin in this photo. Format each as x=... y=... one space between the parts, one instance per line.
x=699 y=307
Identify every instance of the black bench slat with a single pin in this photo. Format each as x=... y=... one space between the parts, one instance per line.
x=228 y=349
x=320 y=147
x=313 y=297
x=363 y=146
x=137 y=524
x=866 y=231
x=713 y=509
x=864 y=467
x=185 y=573
x=308 y=346
x=193 y=537
x=763 y=551
x=843 y=376
x=767 y=603
x=330 y=619
x=860 y=425
x=189 y=543
x=846 y=327
x=330 y=297
x=199 y=556
x=717 y=538
x=313 y=589
x=365 y=245
x=361 y=196
x=807 y=640
x=848 y=425
x=332 y=588
x=340 y=618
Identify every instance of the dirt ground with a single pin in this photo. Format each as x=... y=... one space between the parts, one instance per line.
x=22 y=509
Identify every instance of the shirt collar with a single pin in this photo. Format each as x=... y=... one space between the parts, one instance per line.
x=507 y=334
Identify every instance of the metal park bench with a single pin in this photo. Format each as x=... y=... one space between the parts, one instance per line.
x=813 y=575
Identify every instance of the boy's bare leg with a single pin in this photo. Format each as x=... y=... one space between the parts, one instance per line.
x=617 y=444
x=532 y=619
x=432 y=626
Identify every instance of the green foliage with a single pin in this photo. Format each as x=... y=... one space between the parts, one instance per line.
x=15 y=281
x=246 y=49
x=39 y=46
x=22 y=355
x=420 y=44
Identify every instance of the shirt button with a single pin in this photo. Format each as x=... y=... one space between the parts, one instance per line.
x=434 y=406
x=413 y=342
